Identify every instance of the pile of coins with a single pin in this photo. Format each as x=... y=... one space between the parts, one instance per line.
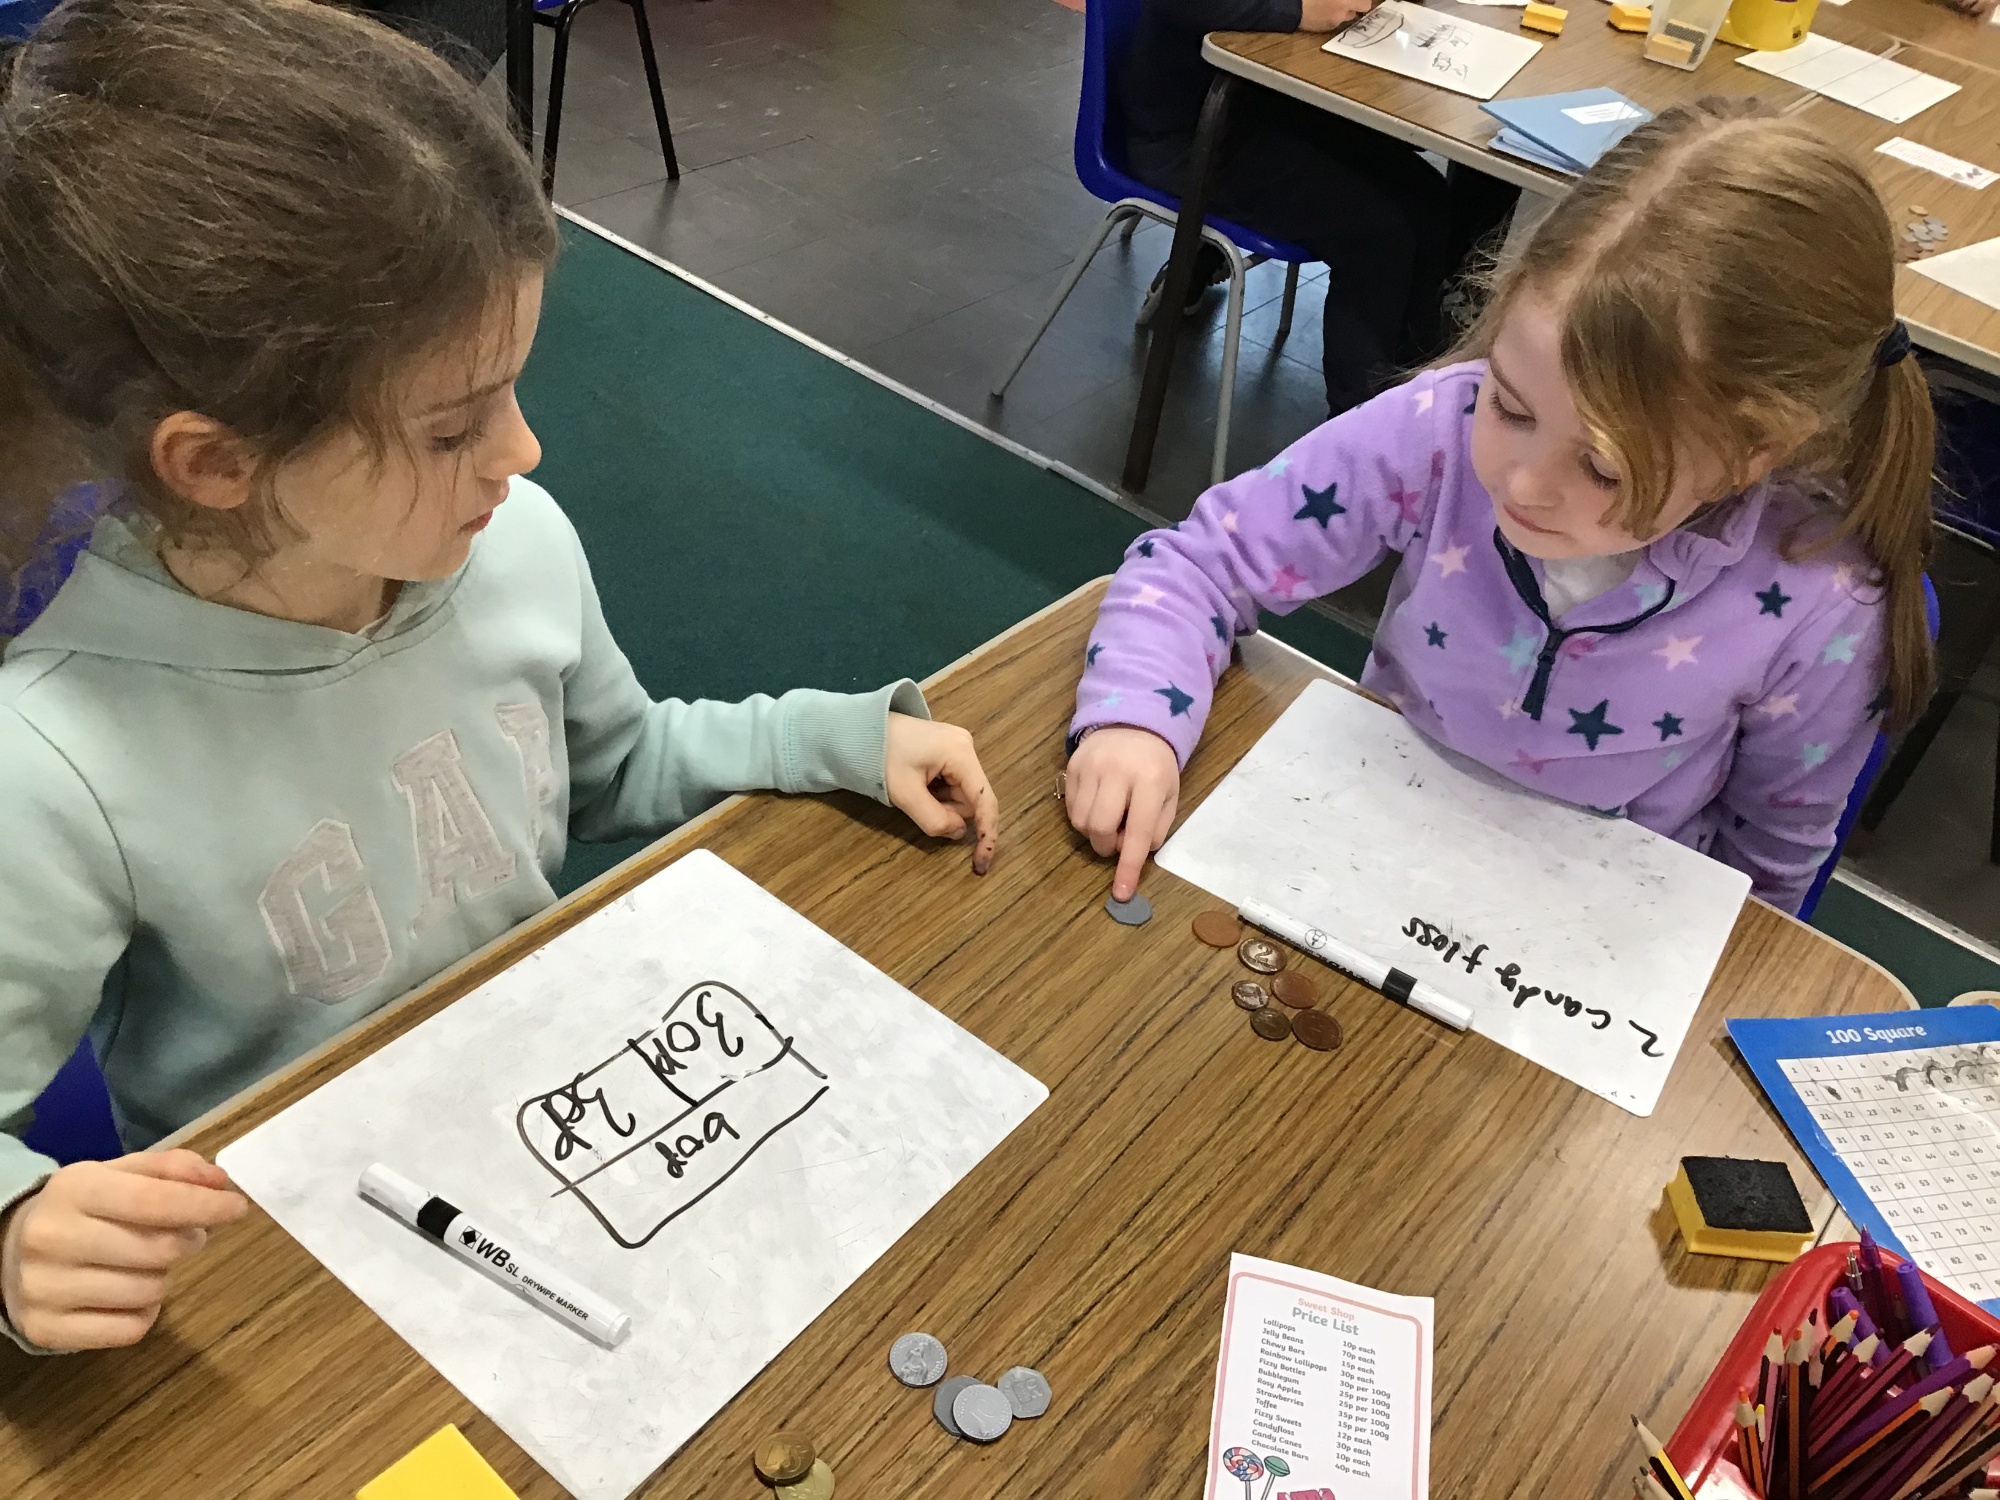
x=963 y=1406
x=790 y=1465
x=1293 y=991
x=1921 y=235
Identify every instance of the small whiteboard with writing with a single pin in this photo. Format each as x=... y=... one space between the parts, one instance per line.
x=1582 y=942
x=697 y=1103
x=1452 y=53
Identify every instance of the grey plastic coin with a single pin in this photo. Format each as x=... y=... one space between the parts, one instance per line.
x=1027 y=1391
x=947 y=1395
x=1134 y=913
x=917 y=1359
x=983 y=1413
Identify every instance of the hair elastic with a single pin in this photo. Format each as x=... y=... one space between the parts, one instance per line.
x=1895 y=345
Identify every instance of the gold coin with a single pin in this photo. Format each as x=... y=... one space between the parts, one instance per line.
x=1920 y=211
x=784 y=1458
x=1261 y=955
x=818 y=1485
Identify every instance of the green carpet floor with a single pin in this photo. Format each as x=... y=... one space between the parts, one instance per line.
x=761 y=517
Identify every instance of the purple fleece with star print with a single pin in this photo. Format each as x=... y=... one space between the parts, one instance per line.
x=1725 y=695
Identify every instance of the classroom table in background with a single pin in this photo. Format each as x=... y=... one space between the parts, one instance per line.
x=1923 y=34
x=1093 y=1243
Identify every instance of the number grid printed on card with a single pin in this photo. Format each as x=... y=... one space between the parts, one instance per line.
x=1920 y=1131
x=1900 y=1115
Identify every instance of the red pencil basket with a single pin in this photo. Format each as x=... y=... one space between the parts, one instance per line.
x=1706 y=1437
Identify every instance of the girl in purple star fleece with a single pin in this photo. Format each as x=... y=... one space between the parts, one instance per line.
x=1662 y=525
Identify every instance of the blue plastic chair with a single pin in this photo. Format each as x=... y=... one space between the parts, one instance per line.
x=1878 y=754
x=1100 y=150
x=19 y=18
x=560 y=15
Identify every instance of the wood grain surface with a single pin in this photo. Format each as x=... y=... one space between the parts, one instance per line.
x=1923 y=34
x=1093 y=1243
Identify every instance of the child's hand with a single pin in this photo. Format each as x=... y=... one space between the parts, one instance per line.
x=1122 y=778
x=933 y=774
x=1981 y=8
x=84 y=1261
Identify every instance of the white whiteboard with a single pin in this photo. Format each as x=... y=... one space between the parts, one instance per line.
x=1449 y=51
x=1347 y=818
x=855 y=1108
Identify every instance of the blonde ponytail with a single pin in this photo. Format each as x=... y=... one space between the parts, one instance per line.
x=1886 y=464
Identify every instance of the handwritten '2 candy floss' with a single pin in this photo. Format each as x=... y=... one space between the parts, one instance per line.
x=642 y=1136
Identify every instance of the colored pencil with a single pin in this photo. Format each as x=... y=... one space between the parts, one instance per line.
x=1656 y=1454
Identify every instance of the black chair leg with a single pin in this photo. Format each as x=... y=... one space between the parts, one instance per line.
x=558 y=67
x=653 y=84
x=1993 y=835
x=1904 y=761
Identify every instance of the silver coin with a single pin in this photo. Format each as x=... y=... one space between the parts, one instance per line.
x=983 y=1413
x=1027 y=1391
x=1249 y=994
x=917 y=1359
x=947 y=1394
x=1134 y=913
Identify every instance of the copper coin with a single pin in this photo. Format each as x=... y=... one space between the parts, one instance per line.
x=1261 y=955
x=1218 y=929
x=1317 y=1030
x=1295 y=990
x=1270 y=1024
x=1249 y=994
x=784 y=1457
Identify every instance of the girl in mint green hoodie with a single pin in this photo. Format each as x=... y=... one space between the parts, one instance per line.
x=322 y=703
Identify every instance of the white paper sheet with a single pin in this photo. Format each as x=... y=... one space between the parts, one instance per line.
x=1322 y=1388
x=566 y=1100
x=1582 y=942
x=1452 y=53
x=1973 y=270
x=1964 y=173
x=1847 y=75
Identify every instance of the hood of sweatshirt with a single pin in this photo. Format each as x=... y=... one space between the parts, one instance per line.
x=122 y=603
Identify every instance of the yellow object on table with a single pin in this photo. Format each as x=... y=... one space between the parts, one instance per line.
x=1747 y=1209
x=1628 y=17
x=1549 y=18
x=444 y=1466
x=1768 y=25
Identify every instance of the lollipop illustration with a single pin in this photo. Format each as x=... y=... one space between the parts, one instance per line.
x=1243 y=1465
x=1277 y=1468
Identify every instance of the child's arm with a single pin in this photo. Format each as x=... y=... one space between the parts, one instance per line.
x=84 y=1250
x=1317 y=517
x=641 y=767
x=1800 y=748
x=1314 y=519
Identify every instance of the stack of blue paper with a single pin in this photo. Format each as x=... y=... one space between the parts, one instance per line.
x=1565 y=132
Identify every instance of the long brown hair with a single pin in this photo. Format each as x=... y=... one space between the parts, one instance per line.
x=259 y=210
x=1727 y=279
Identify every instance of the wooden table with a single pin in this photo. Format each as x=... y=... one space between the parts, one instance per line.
x=1093 y=1243
x=1924 y=34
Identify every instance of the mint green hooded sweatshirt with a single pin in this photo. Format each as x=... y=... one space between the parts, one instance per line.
x=228 y=837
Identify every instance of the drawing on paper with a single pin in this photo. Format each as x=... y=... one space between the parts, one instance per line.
x=1371 y=28
x=642 y=1136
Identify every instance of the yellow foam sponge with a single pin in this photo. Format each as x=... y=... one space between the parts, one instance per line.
x=1627 y=17
x=1748 y=1209
x=1549 y=18
x=1668 y=49
x=444 y=1466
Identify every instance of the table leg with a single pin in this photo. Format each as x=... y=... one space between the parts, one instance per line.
x=521 y=69
x=1197 y=190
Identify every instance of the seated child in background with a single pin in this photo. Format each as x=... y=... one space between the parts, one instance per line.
x=319 y=709
x=1663 y=527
